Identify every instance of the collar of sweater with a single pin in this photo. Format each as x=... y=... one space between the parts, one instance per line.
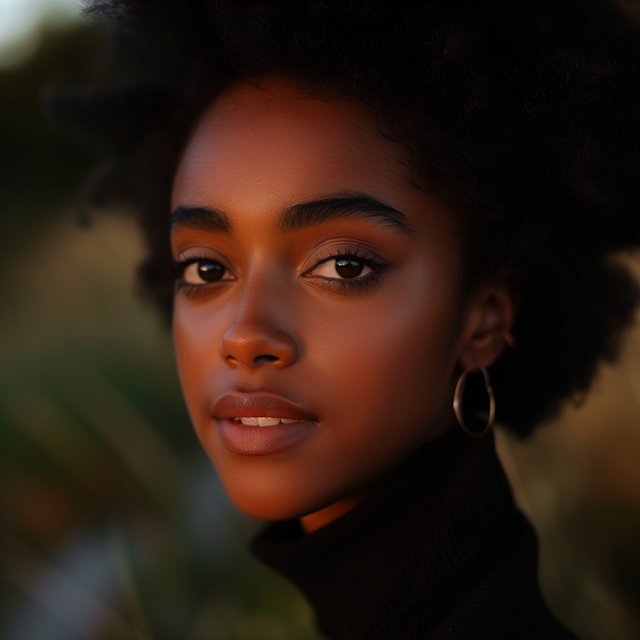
x=420 y=541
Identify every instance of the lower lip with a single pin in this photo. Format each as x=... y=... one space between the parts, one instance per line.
x=250 y=440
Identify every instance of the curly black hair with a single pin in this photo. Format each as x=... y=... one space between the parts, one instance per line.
x=524 y=114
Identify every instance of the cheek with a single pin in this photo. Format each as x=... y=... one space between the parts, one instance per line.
x=196 y=339
x=388 y=361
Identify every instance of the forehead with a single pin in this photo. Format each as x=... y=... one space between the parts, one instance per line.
x=271 y=143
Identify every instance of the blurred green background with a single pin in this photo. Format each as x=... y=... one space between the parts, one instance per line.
x=114 y=524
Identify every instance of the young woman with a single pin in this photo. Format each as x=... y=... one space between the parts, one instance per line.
x=378 y=226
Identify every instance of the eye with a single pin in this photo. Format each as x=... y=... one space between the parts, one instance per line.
x=204 y=271
x=343 y=267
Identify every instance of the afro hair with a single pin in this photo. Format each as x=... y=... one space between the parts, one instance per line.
x=524 y=114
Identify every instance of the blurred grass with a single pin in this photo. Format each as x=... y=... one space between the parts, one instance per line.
x=114 y=523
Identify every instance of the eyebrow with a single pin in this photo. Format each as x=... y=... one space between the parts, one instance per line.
x=201 y=219
x=302 y=215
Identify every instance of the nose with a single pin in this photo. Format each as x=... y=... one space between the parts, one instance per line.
x=257 y=337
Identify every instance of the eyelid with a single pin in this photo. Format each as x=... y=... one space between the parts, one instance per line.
x=193 y=255
x=335 y=252
x=201 y=252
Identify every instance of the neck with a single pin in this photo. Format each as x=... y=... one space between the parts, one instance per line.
x=318 y=519
x=314 y=521
x=426 y=527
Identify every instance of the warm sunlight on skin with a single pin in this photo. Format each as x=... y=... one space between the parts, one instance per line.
x=341 y=315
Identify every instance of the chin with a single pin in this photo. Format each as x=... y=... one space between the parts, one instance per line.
x=257 y=507
x=274 y=501
x=264 y=500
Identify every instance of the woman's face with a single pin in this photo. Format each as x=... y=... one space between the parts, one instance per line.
x=319 y=287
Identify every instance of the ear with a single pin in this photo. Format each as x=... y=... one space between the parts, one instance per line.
x=489 y=314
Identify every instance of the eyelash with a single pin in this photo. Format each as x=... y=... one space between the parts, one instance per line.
x=352 y=285
x=344 y=285
x=186 y=288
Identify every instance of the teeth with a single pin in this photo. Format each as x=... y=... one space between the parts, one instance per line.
x=250 y=421
x=268 y=422
x=264 y=422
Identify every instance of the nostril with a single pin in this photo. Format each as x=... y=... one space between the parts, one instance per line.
x=249 y=349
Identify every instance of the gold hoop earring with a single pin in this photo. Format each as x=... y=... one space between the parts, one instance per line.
x=457 y=402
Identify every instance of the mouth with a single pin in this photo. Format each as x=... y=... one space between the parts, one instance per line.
x=264 y=421
x=260 y=423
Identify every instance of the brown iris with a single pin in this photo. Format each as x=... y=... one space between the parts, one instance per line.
x=349 y=267
x=210 y=271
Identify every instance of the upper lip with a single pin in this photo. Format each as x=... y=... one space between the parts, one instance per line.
x=258 y=404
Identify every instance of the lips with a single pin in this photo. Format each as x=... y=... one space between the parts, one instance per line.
x=265 y=437
x=258 y=404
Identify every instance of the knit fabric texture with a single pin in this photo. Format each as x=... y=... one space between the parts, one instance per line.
x=440 y=551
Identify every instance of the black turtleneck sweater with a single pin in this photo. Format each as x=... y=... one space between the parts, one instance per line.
x=440 y=551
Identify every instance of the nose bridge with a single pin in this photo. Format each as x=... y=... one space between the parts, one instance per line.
x=259 y=335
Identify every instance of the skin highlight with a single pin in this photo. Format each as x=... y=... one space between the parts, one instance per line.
x=372 y=360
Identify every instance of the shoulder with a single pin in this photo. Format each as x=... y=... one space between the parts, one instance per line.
x=504 y=602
